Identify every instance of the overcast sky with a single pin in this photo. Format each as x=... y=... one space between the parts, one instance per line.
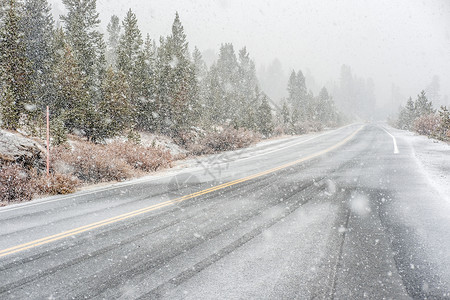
x=403 y=42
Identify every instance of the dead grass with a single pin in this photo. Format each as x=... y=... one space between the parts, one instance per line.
x=224 y=140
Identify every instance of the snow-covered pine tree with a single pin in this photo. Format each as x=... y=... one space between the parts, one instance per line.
x=81 y=29
x=201 y=74
x=115 y=106
x=73 y=103
x=129 y=50
x=144 y=78
x=15 y=69
x=285 y=114
x=214 y=109
x=407 y=115
x=37 y=26
x=422 y=105
x=264 y=117
x=296 y=94
x=248 y=91
x=177 y=86
x=227 y=69
x=113 y=29
x=326 y=111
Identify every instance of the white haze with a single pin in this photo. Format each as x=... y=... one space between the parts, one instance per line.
x=403 y=42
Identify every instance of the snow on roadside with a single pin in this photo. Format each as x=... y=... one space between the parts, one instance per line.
x=433 y=157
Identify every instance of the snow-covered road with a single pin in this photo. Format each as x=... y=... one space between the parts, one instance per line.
x=350 y=219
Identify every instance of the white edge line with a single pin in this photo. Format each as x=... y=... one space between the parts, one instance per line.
x=393 y=139
x=154 y=178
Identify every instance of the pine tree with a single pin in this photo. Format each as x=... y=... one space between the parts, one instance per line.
x=214 y=106
x=15 y=69
x=247 y=91
x=129 y=47
x=227 y=68
x=144 y=78
x=113 y=29
x=115 y=107
x=73 y=102
x=201 y=75
x=265 y=122
x=285 y=113
x=297 y=95
x=422 y=105
x=407 y=115
x=37 y=25
x=444 y=126
x=129 y=60
x=325 y=110
x=71 y=90
x=81 y=28
x=58 y=131
x=177 y=86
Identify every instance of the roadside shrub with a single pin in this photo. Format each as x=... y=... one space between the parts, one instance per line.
x=227 y=139
x=55 y=184
x=118 y=161
x=427 y=124
x=142 y=158
x=91 y=163
x=15 y=184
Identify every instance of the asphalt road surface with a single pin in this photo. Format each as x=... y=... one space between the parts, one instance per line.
x=321 y=216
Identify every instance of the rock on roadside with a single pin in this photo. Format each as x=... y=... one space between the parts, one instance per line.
x=16 y=148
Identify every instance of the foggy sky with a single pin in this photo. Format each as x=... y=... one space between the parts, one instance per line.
x=403 y=42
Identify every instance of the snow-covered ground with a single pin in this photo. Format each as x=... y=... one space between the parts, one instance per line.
x=422 y=210
x=433 y=157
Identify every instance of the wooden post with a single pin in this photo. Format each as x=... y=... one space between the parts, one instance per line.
x=48 y=144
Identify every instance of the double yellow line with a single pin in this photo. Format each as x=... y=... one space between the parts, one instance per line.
x=144 y=210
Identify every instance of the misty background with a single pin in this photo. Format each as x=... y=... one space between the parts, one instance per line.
x=390 y=49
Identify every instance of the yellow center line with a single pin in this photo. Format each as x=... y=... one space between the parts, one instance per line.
x=147 y=209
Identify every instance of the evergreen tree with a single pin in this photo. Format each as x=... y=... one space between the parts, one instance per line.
x=422 y=105
x=285 y=113
x=115 y=106
x=199 y=64
x=113 y=29
x=297 y=94
x=201 y=75
x=15 y=69
x=247 y=91
x=129 y=58
x=71 y=91
x=407 y=115
x=37 y=26
x=214 y=101
x=144 y=78
x=444 y=115
x=177 y=86
x=325 y=111
x=265 y=122
x=129 y=48
x=81 y=27
x=227 y=68
x=73 y=103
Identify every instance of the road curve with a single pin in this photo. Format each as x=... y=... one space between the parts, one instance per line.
x=318 y=216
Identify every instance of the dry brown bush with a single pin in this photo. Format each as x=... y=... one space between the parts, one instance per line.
x=15 y=184
x=55 y=184
x=427 y=124
x=140 y=157
x=91 y=163
x=225 y=140
x=113 y=162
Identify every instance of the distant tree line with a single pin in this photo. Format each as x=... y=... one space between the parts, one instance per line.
x=101 y=87
x=354 y=95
